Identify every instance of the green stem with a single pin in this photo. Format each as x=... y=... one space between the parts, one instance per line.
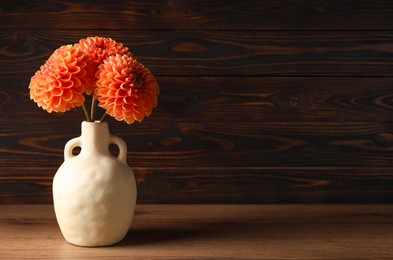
x=93 y=109
x=86 y=112
x=103 y=116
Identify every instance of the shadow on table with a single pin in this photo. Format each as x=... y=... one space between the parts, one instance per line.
x=159 y=235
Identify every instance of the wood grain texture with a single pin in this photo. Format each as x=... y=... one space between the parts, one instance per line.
x=213 y=232
x=220 y=145
x=200 y=14
x=263 y=156
x=209 y=185
x=228 y=99
x=261 y=101
x=223 y=53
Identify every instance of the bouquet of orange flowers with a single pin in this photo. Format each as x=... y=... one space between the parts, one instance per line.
x=102 y=68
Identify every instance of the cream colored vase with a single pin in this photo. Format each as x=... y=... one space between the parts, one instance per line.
x=94 y=193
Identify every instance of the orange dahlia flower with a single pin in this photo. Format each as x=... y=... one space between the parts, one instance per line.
x=60 y=83
x=99 y=48
x=126 y=89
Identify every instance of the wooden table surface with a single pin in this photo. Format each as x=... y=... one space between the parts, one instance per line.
x=213 y=232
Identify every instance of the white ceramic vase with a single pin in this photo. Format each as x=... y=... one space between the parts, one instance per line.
x=94 y=193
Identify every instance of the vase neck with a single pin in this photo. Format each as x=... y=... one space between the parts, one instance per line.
x=95 y=137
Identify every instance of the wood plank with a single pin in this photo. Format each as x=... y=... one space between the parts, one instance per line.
x=230 y=99
x=213 y=232
x=209 y=185
x=292 y=144
x=200 y=14
x=223 y=53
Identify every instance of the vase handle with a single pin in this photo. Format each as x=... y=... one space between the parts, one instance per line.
x=70 y=145
x=122 y=147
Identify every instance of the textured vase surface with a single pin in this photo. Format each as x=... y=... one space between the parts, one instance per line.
x=94 y=192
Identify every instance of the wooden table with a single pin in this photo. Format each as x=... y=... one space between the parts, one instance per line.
x=213 y=232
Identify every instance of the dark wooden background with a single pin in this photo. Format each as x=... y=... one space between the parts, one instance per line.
x=261 y=101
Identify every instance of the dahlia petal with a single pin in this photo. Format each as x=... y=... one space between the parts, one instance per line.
x=129 y=119
x=114 y=85
x=120 y=93
x=119 y=78
x=129 y=92
x=118 y=101
x=46 y=97
x=55 y=101
x=57 y=92
x=64 y=84
x=74 y=69
x=148 y=104
x=65 y=76
x=128 y=107
x=138 y=115
x=114 y=92
x=111 y=101
x=67 y=95
x=78 y=89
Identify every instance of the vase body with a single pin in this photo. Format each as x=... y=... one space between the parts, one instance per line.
x=94 y=192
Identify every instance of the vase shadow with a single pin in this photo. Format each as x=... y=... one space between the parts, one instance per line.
x=158 y=235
